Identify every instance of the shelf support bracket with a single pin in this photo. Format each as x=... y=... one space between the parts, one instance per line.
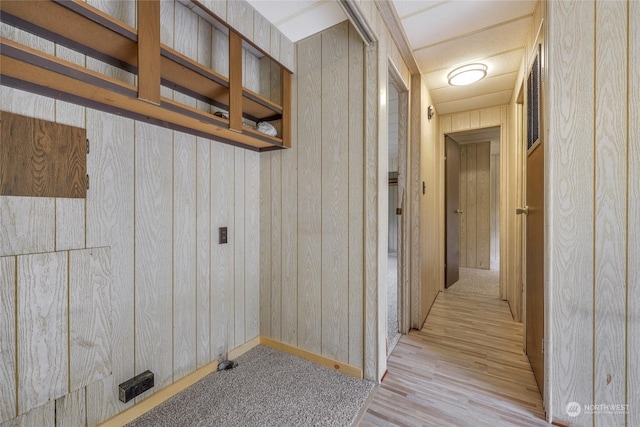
x=235 y=82
x=149 y=51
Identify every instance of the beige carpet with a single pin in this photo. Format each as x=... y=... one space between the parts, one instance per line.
x=477 y=282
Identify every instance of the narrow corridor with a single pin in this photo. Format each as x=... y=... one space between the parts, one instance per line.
x=465 y=367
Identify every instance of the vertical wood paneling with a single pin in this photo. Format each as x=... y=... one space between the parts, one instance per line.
x=204 y=53
x=610 y=208
x=238 y=236
x=184 y=254
x=335 y=197
x=42 y=416
x=252 y=245
x=265 y=245
x=89 y=316
x=463 y=205
x=70 y=410
x=219 y=7
x=167 y=22
x=42 y=325
x=220 y=52
x=240 y=17
x=250 y=71
x=633 y=220
x=483 y=207
x=186 y=32
x=495 y=216
x=222 y=255
x=261 y=31
x=309 y=202
x=110 y=222
x=153 y=252
x=124 y=11
x=276 y=246
x=7 y=338
x=286 y=53
x=471 y=212
x=356 y=197
x=570 y=245
x=203 y=251
x=490 y=117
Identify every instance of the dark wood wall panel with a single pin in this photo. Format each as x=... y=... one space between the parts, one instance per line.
x=39 y=158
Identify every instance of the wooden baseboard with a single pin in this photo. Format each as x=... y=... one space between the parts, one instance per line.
x=157 y=398
x=313 y=357
x=171 y=390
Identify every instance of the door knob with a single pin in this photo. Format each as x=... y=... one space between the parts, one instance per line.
x=458 y=211
x=521 y=211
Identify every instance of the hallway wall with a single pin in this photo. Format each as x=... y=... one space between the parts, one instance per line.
x=593 y=214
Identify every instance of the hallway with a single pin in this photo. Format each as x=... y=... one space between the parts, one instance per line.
x=464 y=368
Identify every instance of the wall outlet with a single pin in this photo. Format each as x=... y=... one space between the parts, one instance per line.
x=222 y=235
x=135 y=386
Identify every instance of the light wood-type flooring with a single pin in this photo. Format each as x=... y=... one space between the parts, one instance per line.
x=465 y=367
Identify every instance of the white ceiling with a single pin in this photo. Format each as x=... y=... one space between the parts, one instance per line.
x=443 y=35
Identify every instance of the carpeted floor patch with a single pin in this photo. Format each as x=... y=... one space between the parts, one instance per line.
x=267 y=388
x=477 y=282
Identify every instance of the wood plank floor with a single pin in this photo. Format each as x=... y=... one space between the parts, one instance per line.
x=465 y=367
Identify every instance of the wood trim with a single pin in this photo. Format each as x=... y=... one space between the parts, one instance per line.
x=235 y=82
x=313 y=357
x=394 y=24
x=149 y=51
x=168 y=392
x=286 y=108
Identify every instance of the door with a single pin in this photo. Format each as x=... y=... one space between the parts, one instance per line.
x=452 y=211
x=535 y=261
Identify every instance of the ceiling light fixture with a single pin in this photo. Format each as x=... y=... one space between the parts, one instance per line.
x=467 y=74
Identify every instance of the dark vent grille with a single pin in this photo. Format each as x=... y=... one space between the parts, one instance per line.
x=533 y=102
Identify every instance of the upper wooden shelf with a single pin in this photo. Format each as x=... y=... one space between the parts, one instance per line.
x=83 y=28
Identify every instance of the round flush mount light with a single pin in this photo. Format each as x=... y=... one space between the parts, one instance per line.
x=467 y=74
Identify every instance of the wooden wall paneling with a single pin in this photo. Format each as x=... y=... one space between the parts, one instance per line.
x=222 y=255
x=335 y=197
x=204 y=52
x=184 y=254
x=265 y=76
x=286 y=53
x=167 y=34
x=445 y=124
x=570 y=246
x=460 y=121
x=483 y=206
x=251 y=72
x=203 y=251
x=290 y=232
x=89 y=316
x=239 y=247
x=153 y=253
x=474 y=119
x=610 y=208
x=149 y=51
x=490 y=117
x=265 y=245
x=261 y=31
x=415 y=137
x=633 y=231
x=471 y=227
x=220 y=52
x=252 y=245
x=309 y=203
x=276 y=245
x=8 y=342
x=464 y=176
x=235 y=82
x=124 y=11
x=42 y=416
x=42 y=309
x=70 y=213
x=356 y=198
x=186 y=33
x=494 y=170
x=70 y=410
x=219 y=7
x=110 y=222
x=240 y=17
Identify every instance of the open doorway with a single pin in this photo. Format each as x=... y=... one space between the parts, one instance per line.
x=472 y=202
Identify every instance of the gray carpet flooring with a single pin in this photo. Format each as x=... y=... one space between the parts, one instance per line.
x=477 y=282
x=267 y=388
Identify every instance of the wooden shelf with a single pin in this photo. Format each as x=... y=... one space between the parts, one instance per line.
x=83 y=28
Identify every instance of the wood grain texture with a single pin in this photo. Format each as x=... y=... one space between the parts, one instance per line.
x=89 y=316
x=27 y=225
x=186 y=33
x=222 y=255
x=286 y=53
x=251 y=72
x=289 y=257
x=42 y=416
x=261 y=32
x=149 y=51
x=220 y=52
x=240 y=17
x=490 y=117
x=335 y=197
x=8 y=338
x=218 y=7
x=184 y=254
x=469 y=346
x=633 y=231
x=309 y=203
x=239 y=246
x=167 y=23
x=265 y=245
x=204 y=52
x=153 y=253
x=42 y=312
x=463 y=205
x=276 y=246
x=494 y=196
x=570 y=246
x=124 y=11
x=235 y=81
x=252 y=245
x=415 y=135
x=611 y=153
x=483 y=212
x=471 y=205
x=203 y=251
x=70 y=410
x=110 y=222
